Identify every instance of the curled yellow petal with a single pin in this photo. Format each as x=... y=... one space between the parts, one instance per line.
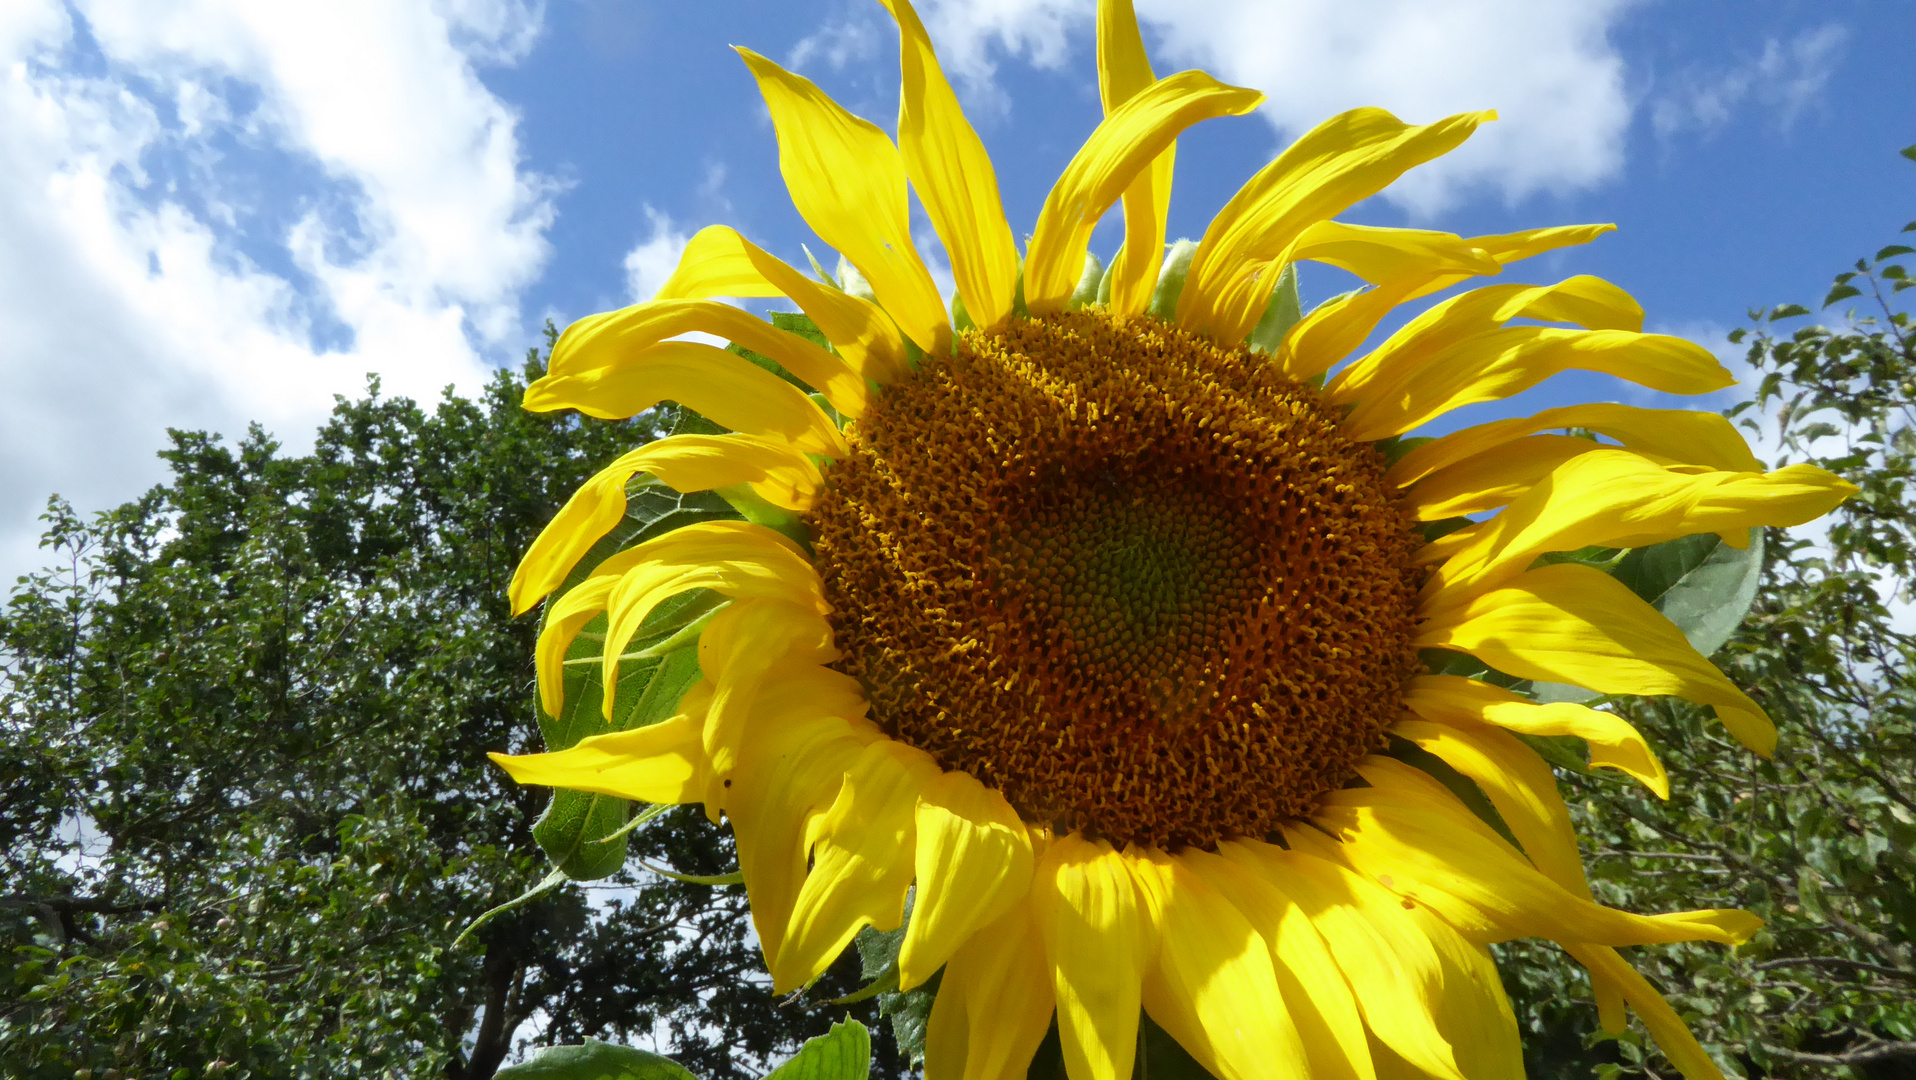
x=725 y=387
x=1213 y=988
x=861 y=851
x=658 y=763
x=788 y=771
x=1381 y=255
x=1666 y=1027
x=1507 y=248
x=1349 y=157
x=1096 y=944
x=1694 y=438
x=1614 y=743
x=1578 y=625
x=1123 y=71
x=1104 y=167
x=1493 y=478
x=717 y=261
x=1414 y=837
x=776 y=472
x=738 y=652
x=973 y=863
x=1616 y=498
x=953 y=176
x=733 y=557
x=624 y=336
x=994 y=1003
x=848 y=182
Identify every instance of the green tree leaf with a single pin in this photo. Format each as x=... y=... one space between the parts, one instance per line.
x=595 y=1060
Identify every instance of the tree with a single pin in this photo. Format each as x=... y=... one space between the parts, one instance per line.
x=1819 y=839
x=244 y=805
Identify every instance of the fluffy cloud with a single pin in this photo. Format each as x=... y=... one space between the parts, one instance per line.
x=216 y=211
x=1549 y=69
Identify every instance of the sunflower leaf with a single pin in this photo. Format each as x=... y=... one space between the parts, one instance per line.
x=595 y=1060
x=844 y=1053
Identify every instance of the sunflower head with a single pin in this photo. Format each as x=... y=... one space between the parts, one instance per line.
x=1088 y=609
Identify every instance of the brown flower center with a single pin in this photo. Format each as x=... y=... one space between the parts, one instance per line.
x=1138 y=583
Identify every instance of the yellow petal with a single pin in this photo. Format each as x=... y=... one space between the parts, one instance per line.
x=974 y=862
x=1524 y=791
x=861 y=861
x=1494 y=477
x=1500 y=363
x=994 y=1003
x=1123 y=144
x=1510 y=247
x=1614 y=743
x=1519 y=784
x=659 y=763
x=1381 y=255
x=739 y=651
x=1666 y=1027
x=1333 y=328
x=1694 y=438
x=1467 y=316
x=1415 y=838
x=1213 y=988
x=1616 y=498
x=725 y=387
x=1124 y=71
x=777 y=473
x=1578 y=625
x=735 y=558
x=1344 y=159
x=719 y=262
x=953 y=176
x=1395 y=972
x=1095 y=942
x=1316 y=995
x=848 y=183
x=624 y=336
x=789 y=771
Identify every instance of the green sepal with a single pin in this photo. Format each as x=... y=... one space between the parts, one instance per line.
x=853 y=282
x=844 y=1053
x=1177 y=266
x=1088 y=282
x=595 y=1060
x=1281 y=312
x=756 y=510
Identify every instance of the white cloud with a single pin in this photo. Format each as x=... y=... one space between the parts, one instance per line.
x=652 y=261
x=1785 y=79
x=1549 y=69
x=232 y=211
x=837 y=44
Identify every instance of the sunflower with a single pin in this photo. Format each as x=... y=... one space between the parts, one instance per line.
x=1098 y=613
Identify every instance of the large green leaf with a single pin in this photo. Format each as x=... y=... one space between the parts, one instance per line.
x=845 y=1053
x=595 y=1061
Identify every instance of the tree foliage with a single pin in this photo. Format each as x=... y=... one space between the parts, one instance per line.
x=245 y=807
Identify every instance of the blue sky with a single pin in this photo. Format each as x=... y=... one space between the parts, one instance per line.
x=217 y=211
